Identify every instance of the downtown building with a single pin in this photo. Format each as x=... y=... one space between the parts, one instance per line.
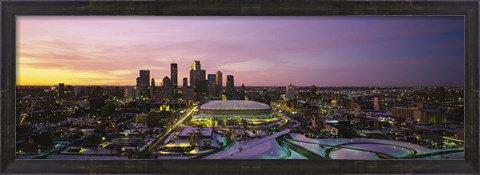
x=174 y=79
x=143 y=85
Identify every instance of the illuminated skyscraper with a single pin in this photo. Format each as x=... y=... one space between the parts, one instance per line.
x=230 y=85
x=195 y=71
x=192 y=77
x=219 y=83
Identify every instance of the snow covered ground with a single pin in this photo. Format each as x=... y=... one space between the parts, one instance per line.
x=352 y=155
x=265 y=150
x=391 y=147
x=245 y=145
x=295 y=155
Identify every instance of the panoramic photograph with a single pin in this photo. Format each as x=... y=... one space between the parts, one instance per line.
x=197 y=87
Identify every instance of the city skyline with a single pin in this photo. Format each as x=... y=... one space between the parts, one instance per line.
x=258 y=51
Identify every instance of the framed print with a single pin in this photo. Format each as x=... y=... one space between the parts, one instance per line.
x=215 y=87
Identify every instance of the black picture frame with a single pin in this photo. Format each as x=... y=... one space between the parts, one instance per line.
x=12 y=8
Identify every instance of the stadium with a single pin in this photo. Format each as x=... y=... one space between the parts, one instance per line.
x=239 y=111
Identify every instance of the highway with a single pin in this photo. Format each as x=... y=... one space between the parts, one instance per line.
x=171 y=128
x=300 y=150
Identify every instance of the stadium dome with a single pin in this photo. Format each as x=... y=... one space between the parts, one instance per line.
x=235 y=106
x=234 y=109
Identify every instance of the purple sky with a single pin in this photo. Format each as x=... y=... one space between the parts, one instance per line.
x=322 y=51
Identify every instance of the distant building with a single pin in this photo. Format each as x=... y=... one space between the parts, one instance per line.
x=204 y=133
x=408 y=113
x=201 y=91
x=143 y=83
x=159 y=119
x=130 y=93
x=152 y=88
x=438 y=116
x=192 y=75
x=212 y=87
x=141 y=118
x=203 y=74
x=174 y=78
x=185 y=81
x=61 y=90
x=219 y=83
x=290 y=91
x=167 y=82
x=376 y=104
x=188 y=93
x=230 y=84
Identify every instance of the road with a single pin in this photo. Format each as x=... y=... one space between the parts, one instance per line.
x=300 y=150
x=171 y=128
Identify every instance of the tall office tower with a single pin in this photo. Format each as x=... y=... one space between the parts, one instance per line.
x=290 y=91
x=185 y=81
x=143 y=83
x=219 y=83
x=152 y=88
x=198 y=67
x=174 y=78
x=212 y=87
x=144 y=78
x=192 y=77
x=376 y=104
x=203 y=74
x=230 y=85
x=167 y=82
x=61 y=90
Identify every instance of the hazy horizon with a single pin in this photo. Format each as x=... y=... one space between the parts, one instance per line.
x=356 y=51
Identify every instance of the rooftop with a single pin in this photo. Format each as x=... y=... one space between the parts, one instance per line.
x=235 y=105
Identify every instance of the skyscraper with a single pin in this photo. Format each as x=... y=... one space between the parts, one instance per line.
x=195 y=71
x=166 y=94
x=144 y=78
x=152 y=88
x=192 y=77
x=61 y=90
x=174 y=78
x=143 y=83
x=212 y=87
x=198 y=67
x=219 y=83
x=203 y=74
x=230 y=85
x=185 y=81
x=290 y=91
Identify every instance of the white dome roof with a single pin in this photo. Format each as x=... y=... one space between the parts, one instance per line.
x=240 y=105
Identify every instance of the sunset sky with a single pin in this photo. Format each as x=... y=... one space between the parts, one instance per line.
x=322 y=51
